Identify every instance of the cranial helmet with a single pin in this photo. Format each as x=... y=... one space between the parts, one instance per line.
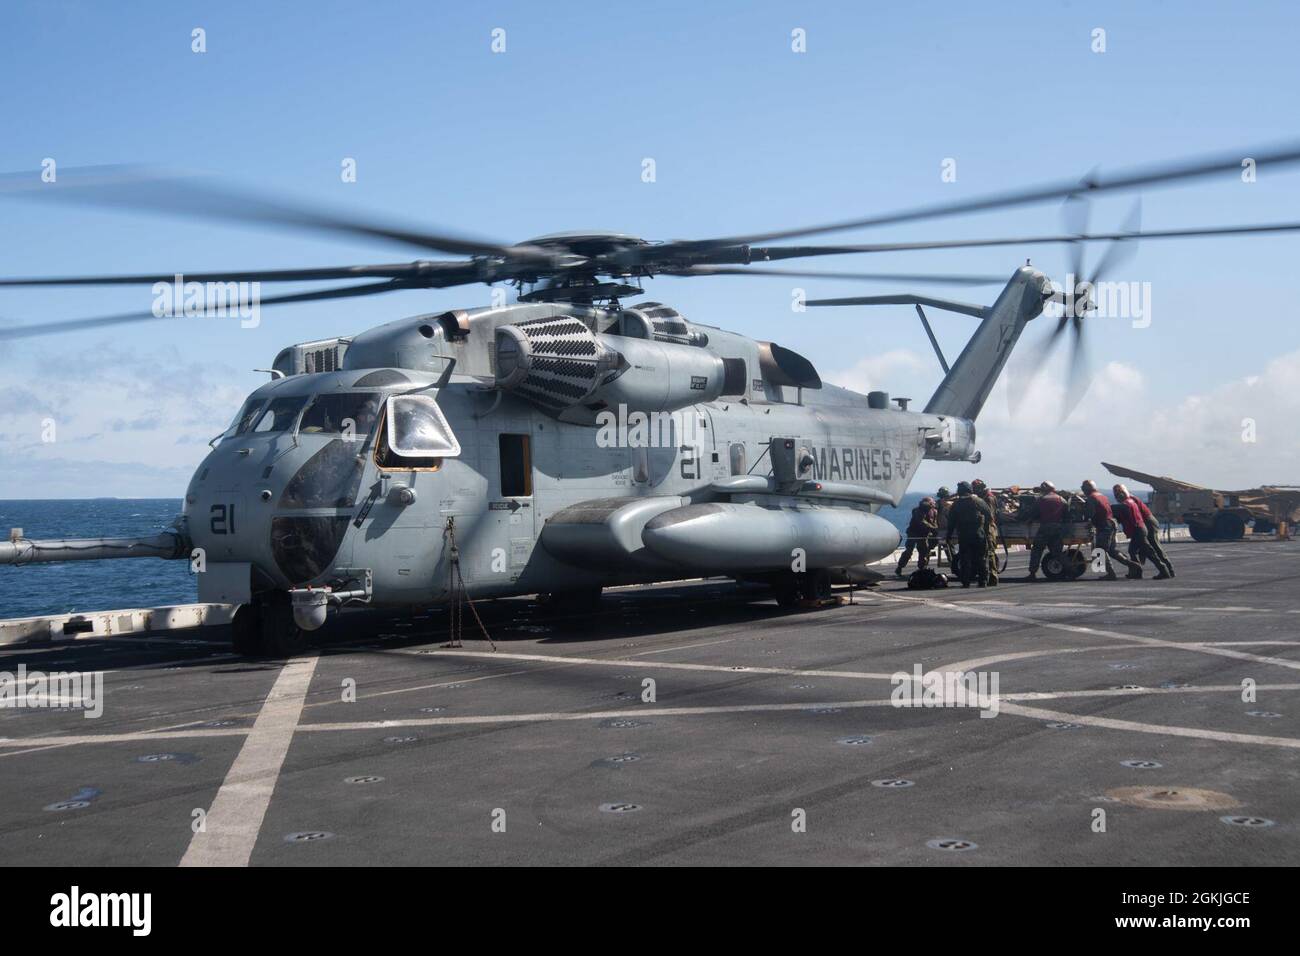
x=1047 y=487
x=1088 y=486
x=944 y=492
x=963 y=487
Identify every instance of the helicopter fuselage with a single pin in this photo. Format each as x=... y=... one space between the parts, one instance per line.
x=555 y=448
x=307 y=506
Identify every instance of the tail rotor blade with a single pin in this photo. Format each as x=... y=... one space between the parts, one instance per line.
x=1119 y=251
x=1026 y=371
x=1076 y=211
x=1079 y=377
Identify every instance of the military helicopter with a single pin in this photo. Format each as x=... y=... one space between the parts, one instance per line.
x=564 y=442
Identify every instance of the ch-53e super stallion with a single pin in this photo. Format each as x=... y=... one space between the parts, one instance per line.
x=566 y=441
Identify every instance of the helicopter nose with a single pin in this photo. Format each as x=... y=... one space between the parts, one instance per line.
x=283 y=508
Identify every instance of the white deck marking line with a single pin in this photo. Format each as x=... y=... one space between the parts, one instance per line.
x=669 y=665
x=966 y=608
x=684 y=647
x=1111 y=723
x=1007 y=703
x=409 y=690
x=377 y=693
x=636 y=712
x=1127 y=607
x=626 y=714
x=1137 y=692
x=137 y=736
x=235 y=817
x=177 y=731
x=979 y=663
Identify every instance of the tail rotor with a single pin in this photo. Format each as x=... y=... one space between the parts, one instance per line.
x=1076 y=301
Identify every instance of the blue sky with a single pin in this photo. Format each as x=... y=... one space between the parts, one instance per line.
x=745 y=134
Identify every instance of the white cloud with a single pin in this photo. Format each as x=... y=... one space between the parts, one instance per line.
x=879 y=371
x=1198 y=438
x=124 y=423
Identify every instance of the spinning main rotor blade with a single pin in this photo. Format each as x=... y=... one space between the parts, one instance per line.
x=464 y=271
x=1283 y=155
x=774 y=253
x=398 y=270
x=171 y=193
x=852 y=276
x=70 y=325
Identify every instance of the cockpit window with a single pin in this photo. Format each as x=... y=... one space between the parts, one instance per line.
x=279 y=415
x=342 y=413
x=247 y=415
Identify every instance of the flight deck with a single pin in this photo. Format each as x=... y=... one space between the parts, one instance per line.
x=1126 y=722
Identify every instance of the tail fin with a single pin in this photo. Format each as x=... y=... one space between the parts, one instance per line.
x=966 y=387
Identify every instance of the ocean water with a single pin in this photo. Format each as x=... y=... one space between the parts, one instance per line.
x=901 y=515
x=64 y=586
x=61 y=587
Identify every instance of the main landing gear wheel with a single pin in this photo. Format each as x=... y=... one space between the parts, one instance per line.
x=570 y=602
x=786 y=589
x=793 y=590
x=814 y=585
x=266 y=628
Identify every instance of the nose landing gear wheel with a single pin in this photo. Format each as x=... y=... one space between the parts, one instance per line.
x=246 y=629
x=266 y=628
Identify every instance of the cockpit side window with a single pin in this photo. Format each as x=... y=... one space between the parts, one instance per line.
x=342 y=413
x=385 y=457
x=279 y=415
x=421 y=435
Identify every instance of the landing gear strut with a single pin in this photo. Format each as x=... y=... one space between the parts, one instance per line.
x=793 y=589
x=266 y=627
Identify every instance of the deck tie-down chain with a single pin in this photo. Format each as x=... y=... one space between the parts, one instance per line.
x=458 y=593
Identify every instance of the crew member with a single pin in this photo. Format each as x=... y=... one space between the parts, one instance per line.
x=1050 y=512
x=1152 y=528
x=1130 y=516
x=1098 y=512
x=921 y=531
x=984 y=493
x=943 y=502
x=969 y=519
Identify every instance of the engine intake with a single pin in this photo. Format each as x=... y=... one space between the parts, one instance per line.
x=570 y=372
